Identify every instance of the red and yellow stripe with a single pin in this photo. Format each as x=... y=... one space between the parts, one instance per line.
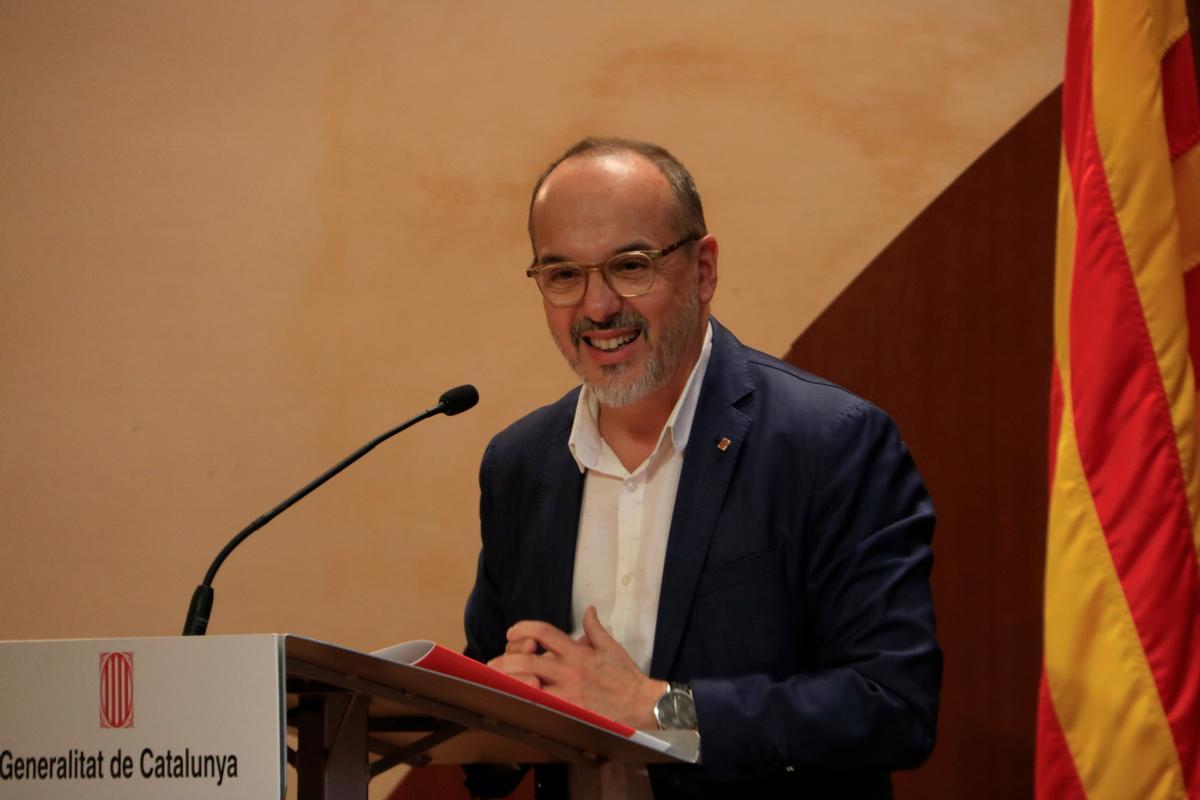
x=1119 y=706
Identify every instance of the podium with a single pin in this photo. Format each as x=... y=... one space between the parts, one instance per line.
x=200 y=717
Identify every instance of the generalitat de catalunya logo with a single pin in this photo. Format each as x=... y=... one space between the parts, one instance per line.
x=116 y=689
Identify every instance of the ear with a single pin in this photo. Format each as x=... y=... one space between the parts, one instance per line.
x=706 y=268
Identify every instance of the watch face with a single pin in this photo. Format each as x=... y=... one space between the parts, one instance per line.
x=676 y=710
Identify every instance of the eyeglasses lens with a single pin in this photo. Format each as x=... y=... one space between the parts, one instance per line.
x=630 y=274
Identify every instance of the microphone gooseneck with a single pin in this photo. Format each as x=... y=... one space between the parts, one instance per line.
x=453 y=401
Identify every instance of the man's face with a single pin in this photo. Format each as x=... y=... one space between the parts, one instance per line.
x=589 y=209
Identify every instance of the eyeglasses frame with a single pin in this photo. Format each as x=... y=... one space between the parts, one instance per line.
x=654 y=255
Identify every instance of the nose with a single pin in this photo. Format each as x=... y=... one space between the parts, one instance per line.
x=599 y=302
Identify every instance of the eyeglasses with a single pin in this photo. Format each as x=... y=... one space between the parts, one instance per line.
x=627 y=274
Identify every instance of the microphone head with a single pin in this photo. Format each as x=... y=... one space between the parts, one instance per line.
x=459 y=399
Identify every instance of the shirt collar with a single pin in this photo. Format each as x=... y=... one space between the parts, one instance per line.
x=585 y=441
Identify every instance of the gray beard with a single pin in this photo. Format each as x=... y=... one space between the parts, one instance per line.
x=666 y=350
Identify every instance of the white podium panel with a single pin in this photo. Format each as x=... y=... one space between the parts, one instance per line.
x=179 y=717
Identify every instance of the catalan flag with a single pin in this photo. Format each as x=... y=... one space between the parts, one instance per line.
x=1119 y=705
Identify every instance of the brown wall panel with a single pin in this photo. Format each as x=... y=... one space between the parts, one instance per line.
x=949 y=330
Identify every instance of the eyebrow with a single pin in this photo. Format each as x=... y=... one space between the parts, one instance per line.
x=636 y=245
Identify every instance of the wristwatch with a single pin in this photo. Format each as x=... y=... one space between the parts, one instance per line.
x=676 y=708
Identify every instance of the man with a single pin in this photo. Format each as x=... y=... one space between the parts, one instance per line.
x=702 y=536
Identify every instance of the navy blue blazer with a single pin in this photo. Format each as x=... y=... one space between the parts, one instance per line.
x=795 y=594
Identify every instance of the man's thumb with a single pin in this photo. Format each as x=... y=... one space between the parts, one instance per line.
x=596 y=633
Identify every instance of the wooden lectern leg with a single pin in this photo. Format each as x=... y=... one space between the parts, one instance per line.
x=331 y=755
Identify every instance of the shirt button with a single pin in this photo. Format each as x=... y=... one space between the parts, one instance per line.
x=625 y=579
x=631 y=484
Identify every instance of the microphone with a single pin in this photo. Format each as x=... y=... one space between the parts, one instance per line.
x=457 y=400
x=453 y=401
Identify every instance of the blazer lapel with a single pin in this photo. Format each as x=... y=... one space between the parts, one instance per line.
x=718 y=431
x=562 y=497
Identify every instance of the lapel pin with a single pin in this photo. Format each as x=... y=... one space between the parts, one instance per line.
x=723 y=445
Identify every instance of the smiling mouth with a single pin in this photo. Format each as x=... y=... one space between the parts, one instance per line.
x=609 y=344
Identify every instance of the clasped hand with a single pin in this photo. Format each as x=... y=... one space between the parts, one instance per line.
x=593 y=671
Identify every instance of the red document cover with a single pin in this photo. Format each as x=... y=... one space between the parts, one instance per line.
x=432 y=656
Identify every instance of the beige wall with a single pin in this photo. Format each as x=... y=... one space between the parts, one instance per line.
x=239 y=239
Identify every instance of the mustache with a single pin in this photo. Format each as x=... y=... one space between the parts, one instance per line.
x=626 y=319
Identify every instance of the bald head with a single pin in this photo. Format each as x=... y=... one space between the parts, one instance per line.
x=592 y=206
x=682 y=203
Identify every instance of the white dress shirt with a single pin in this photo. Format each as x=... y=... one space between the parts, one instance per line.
x=624 y=522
